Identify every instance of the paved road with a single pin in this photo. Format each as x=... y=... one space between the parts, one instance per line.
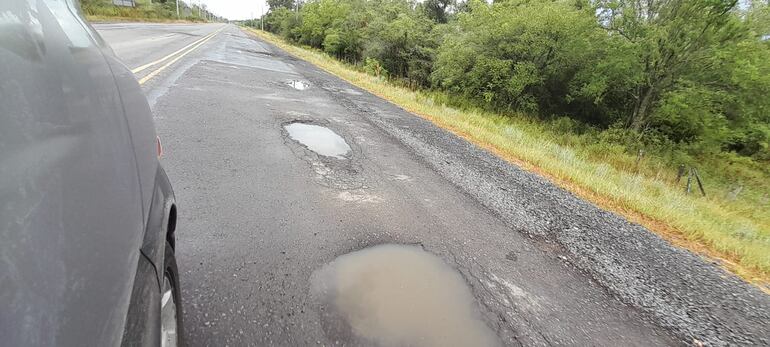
x=260 y=214
x=141 y=43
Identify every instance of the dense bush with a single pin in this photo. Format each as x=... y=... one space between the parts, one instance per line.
x=693 y=74
x=538 y=57
x=397 y=34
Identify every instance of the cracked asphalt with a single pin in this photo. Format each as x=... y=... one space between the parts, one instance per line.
x=259 y=213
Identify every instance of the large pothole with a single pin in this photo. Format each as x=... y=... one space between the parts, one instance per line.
x=396 y=295
x=335 y=160
x=319 y=139
x=299 y=85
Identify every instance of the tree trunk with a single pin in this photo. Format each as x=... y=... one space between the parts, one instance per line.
x=642 y=110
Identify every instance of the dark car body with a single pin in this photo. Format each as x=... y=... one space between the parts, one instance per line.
x=87 y=213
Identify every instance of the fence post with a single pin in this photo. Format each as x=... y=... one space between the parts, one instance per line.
x=680 y=173
x=700 y=184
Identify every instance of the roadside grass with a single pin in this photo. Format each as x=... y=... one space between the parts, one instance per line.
x=734 y=232
x=144 y=11
x=101 y=18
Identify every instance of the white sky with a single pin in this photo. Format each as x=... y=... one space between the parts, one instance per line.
x=233 y=9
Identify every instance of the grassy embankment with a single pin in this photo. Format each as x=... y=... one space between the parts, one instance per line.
x=736 y=231
x=145 y=11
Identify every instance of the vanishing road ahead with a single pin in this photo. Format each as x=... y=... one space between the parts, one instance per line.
x=260 y=216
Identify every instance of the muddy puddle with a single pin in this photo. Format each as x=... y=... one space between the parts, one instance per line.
x=396 y=295
x=299 y=85
x=319 y=139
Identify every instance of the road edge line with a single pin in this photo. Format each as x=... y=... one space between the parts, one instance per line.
x=156 y=72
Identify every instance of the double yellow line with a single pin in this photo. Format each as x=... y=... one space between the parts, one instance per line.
x=184 y=50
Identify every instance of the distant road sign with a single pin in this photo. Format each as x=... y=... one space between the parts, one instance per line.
x=127 y=3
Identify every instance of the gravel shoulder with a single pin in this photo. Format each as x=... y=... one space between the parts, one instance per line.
x=682 y=292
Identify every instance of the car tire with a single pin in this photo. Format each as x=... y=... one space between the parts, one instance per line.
x=171 y=279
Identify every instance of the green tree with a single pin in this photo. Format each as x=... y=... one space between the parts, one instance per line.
x=530 y=56
x=276 y=4
x=437 y=10
x=282 y=21
x=400 y=38
x=320 y=18
x=673 y=37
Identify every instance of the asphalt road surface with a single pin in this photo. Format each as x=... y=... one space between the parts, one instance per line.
x=269 y=230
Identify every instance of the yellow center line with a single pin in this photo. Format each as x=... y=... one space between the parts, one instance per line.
x=156 y=72
x=140 y=68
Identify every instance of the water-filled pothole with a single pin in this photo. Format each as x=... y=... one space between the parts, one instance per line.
x=396 y=295
x=319 y=139
x=299 y=85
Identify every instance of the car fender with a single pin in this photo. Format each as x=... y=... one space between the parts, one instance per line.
x=161 y=222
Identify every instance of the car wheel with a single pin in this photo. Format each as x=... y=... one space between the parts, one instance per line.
x=170 y=305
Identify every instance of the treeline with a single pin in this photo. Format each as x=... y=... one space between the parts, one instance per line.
x=690 y=74
x=148 y=9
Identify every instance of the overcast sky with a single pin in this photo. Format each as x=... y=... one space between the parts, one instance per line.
x=233 y=9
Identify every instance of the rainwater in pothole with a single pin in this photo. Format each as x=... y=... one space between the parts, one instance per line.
x=319 y=139
x=397 y=295
x=299 y=85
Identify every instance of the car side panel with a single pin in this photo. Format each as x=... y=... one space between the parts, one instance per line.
x=143 y=321
x=141 y=124
x=70 y=208
x=143 y=318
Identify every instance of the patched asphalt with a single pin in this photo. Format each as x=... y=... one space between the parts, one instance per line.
x=259 y=213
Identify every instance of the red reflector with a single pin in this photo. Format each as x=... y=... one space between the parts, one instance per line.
x=158 y=146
